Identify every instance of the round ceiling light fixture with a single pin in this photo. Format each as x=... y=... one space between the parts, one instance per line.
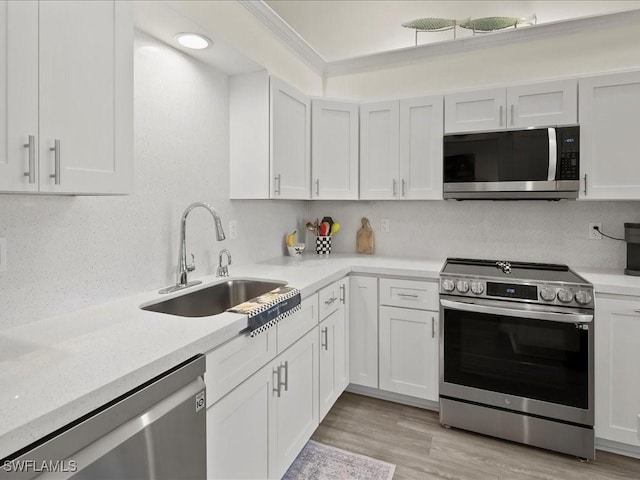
x=194 y=41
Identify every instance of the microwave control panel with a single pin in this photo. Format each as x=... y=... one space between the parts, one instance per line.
x=568 y=153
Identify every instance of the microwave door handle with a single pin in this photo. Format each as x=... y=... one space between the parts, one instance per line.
x=553 y=154
x=518 y=312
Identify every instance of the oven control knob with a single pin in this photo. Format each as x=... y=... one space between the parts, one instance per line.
x=462 y=286
x=583 y=297
x=564 y=295
x=548 y=294
x=448 y=285
x=477 y=287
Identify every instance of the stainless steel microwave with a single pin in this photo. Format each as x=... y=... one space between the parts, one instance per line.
x=539 y=163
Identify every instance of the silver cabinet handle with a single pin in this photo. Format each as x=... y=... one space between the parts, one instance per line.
x=325 y=333
x=637 y=310
x=276 y=185
x=512 y=115
x=317 y=187
x=404 y=187
x=276 y=388
x=585 y=184
x=395 y=184
x=410 y=295
x=330 y=301
x=500 y=115
x=343 y=294
x=285 y=384
x=56 y=155
x=433 y=327
x=32 y=159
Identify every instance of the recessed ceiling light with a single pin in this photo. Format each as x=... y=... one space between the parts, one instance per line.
x=194 y=41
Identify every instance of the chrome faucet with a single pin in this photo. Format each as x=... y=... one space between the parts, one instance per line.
x=183 y=266
x=223 y=270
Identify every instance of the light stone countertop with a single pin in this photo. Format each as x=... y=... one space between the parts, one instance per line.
x=56 y=370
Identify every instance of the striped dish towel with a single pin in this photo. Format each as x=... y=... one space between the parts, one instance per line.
x=266 y=310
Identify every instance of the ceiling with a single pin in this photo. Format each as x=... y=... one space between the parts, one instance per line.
x=341 y=29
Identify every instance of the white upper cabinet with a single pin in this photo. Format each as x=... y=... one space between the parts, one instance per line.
x=522 y=106
x=421 y=125
x=69 y=81
x=290 y=142
x=401 y=149
x=609 y=113
x=270 y=139
x=334 y=150
x=379 y=150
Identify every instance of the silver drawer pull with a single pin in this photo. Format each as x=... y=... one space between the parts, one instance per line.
x=285 y=384
x=342 y=293
x=330 y=301
x=56 y=155
x=325 y=343
x=637 y=310
x=410 y=295
x=32 y=159
x=433 y=327
x=276 y=385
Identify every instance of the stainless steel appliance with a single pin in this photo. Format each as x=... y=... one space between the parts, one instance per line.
x=516 y=353
x=540 y=163
x=157 y=430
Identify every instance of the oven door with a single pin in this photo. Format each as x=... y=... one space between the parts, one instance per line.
x=533 y=359
x=511 y=161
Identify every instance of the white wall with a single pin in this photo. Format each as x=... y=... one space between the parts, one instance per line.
x=590 y=51
x=538 y=231
x=65 y=253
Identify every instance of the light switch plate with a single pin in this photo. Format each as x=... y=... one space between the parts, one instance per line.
x=3 y=254
x=233 y=229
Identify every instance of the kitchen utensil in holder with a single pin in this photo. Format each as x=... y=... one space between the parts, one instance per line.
x=323 y=245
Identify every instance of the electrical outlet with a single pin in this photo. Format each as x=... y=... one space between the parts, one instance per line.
x=3 y=254
x=233 y=229
x=384 y=225
x=593 y=233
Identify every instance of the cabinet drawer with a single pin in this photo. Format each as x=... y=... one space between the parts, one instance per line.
x=295 y=326
x=409 y=293
x=330 y=299
x=229 y=364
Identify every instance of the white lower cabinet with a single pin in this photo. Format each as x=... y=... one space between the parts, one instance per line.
x=409 y=352
x=363 y=331
x=258 y=429
x=408 y=336
x=617 y=358
x=334 y=347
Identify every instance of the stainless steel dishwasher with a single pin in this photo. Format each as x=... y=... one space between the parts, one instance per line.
x=155 y=431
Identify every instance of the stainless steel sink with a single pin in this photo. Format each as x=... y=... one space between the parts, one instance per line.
x=214 y=299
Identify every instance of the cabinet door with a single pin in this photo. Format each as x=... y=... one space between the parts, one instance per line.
x=334 y=150
x=543 y=104
x=18 y=96
x=475 y=111
x=86 y=96
x=617 y=356
x=379 y=150
x=290 y=142
x=342 y=341
x=363 y=331
x=328 y=368
x=609 y=112
x=297 y=406
x=409 y=352
x=421 y=129
x=240 y=429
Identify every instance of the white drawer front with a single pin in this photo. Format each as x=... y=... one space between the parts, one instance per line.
x=233 y=362
x=409 y=293
x=329 y=298
x=295 y=326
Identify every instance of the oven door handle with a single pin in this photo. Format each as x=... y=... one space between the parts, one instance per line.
x=518 y=312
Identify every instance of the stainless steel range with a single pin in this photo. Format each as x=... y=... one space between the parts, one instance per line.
x=516 y=353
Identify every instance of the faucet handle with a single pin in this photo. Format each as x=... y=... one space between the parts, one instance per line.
x=192 y=266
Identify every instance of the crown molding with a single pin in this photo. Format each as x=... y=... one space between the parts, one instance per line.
x=286 y=34
x=416 y=53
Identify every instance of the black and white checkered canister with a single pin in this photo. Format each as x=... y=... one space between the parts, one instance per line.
x=323 y=245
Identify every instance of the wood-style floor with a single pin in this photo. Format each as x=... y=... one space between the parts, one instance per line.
x=413 y=439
